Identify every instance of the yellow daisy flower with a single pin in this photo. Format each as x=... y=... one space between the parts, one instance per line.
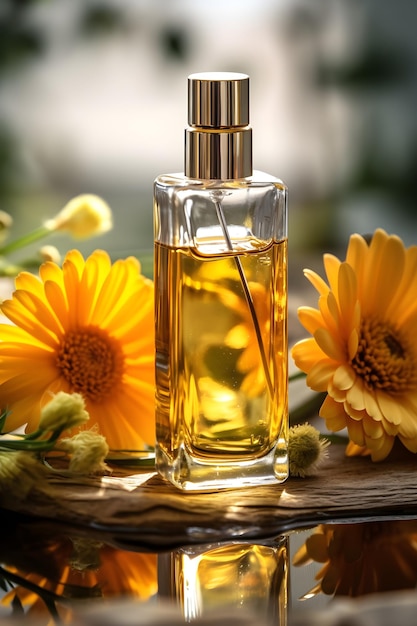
x=87 y=328
x=363 y=349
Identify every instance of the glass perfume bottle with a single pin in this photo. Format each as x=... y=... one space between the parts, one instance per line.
x=220 y=302
x=225 y=579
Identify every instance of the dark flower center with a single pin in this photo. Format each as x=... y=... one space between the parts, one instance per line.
x=384 y=359
x=91 y=362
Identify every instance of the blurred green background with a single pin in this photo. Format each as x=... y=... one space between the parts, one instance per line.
x=93 y=100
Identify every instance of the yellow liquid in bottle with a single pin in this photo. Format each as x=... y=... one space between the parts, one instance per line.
x=215 y=401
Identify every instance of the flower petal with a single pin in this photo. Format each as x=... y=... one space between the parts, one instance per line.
x=380 y=451
x=355 y=430
x=29 y=282
x=357 y=253
x=372 y=429
x=306 y=354
x=310 y=318
x=334 y=414
x=344 y=377
x=57 y=301
x=410 y=444
x=347 y=290
x=355 y=395
x=371 y=405
x=388 y=276
x=332 y=266
x=27 y=321
x=353 y=344
x=317 y=282
x=391 y=409
x=330 y=344
x=319 y=375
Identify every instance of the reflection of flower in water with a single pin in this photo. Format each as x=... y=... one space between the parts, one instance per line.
x=68 y=570
x=362 y=558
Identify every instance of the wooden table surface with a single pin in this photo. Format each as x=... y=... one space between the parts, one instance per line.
x=139 y=507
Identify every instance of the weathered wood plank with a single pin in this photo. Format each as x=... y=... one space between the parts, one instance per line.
x=144 y=509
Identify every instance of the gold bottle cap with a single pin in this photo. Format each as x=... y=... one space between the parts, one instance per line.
x=218 y=99
x=218 y=140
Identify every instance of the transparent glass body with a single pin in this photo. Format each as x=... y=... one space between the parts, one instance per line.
x=230 y=579
x=221 y=331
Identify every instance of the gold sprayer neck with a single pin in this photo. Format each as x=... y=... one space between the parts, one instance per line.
x=218 y=139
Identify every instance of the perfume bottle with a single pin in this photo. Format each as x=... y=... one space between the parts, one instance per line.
x=220 y=302
x=228 y=579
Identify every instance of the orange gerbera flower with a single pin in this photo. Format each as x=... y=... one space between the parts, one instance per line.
x=363 y=352
x=86 y=328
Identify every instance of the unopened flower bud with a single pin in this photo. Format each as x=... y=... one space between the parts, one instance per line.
x=65 y=410
x=84 y=216
x=87 y=450
x=306 y=450
x=50 y=253
x=6 y=222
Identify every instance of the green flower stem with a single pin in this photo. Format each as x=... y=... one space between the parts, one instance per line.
x=34 y=435
x=25 y=240
x=32 y=442
x=23 y=444
x=10 y=270
x=307 y=409
x=30 y=263
x=296 y=376
x=41 y=432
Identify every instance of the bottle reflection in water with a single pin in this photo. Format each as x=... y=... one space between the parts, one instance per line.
x=231 y=577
